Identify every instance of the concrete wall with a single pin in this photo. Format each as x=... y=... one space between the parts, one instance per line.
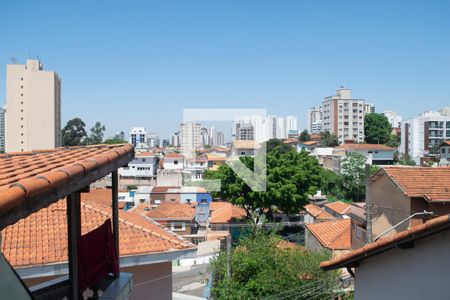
x=390 y=206
x=151 y=281
x=421 y=272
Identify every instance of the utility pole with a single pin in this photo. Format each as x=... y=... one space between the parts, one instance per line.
x=229 y=255
x=369 y=205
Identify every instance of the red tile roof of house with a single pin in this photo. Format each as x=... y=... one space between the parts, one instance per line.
x=246 y=144
x=445 y=143
x=291 y=141
x=433 y=184
x=318 y=213
x=102 y=196
x=339 y=207
x=27 y=175
x=162 y=189
x=315 y=136
x=365 y=147
x=224 y=212
x=173 y=155
x=41 y=238
x=419 y=231
x=309 y=143
x=144 y=154
x=334 y=234
x=172 y=211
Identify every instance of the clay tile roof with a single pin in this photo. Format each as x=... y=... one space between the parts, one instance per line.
x=339 y=207
x=433 y=184
x=26 y=175
x=41 y=238
x=224 y=212
x=144 y=154
x=291 y=141
x=445 y=143
x=318 y=213
x=309 y=143
x=173 y=155
x=215 y=157
x=163 y=189
x=246 y=144
x=101 y=196
x=419 y=231
x=172 y=211
x=364 y=147
x=335 y=234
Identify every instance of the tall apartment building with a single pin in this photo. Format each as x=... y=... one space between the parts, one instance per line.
x=2 y=129
x=369 y=108
x=218 y=138
x=394 y=119
x=291 y=124
x=153 y=140
x=344 y=116
x=314 y=119
x=245 y=131
x=175 y=139
x=421 y=134
x=190 y=138
x=138 y=135
x=33 y=107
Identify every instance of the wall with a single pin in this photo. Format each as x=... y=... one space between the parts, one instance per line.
x=390 y=206
x=153 y=282
x=421 y=272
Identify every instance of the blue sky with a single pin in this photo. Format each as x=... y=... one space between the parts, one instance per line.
x=133 y=63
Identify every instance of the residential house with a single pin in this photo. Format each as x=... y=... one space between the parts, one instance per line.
x=178 y=217
x=194 y=194
x=195 y=167
x=376 y=154
x=167 y=178
x=225 y=216
x=244 y=148
x=397 y=192
x=173 y=161
x=215 y=161
x=308 y=146
x=328 y=158
x=412 y=264
x=338 y=209
x=357 y=214
x=444 y=150
x=316 y=214
x=143 y=166
x=160 y=194
x=333 y=235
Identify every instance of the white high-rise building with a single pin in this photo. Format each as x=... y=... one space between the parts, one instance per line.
x=153 y=140
x=420 y=135
x=33 y=107
x=369 y=108
x=315 y=119
x=262 y=129
x=138 y=135
x=175 y=139
x=218 y=138
x=291 y=124
x=344 y=116
x=394 y=119
x=190 y=138
x=2 y=129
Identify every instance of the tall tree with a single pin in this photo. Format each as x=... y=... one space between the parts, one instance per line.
x=114 y=140
x=304 y=136
x=354 y=177
x=377 y=129
x=74 y=133
x=328 y=140
x=97 y=133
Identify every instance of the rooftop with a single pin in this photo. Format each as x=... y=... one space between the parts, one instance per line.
x=365 y=147
x=246 y=144
x=318 y=213
x=224 y=212
x=433 y=184
x=173 y=155
x=417 y=232
x=172 y=210
x=41 y=238
x=334 y=234
x=32 y=180
x=339 y=207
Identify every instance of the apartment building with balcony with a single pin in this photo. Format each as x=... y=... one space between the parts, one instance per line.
x=422 y=135
x=343 y=115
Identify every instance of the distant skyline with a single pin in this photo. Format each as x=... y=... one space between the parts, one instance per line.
x=139 y=64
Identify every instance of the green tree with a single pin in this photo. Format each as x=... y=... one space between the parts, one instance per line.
x=328 y=140
x=114 y=140
x=406 y=160
x=97 y=132
x=393 y=141
x=278 y=145
x=291 y=178
x=304 y=136
x=377 y=129
x=74 y=133
x=354 y=177
x=262 y=269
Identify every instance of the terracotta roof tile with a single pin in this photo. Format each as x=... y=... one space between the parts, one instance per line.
x=335 y=234
x=173 y=211
x=246 y=144
x=318 y=213
x=41 y=238
x=415 y=232
x=433 y=184
x=173 y=155
x=101 y=196
x=339 y=207
x=224 y=212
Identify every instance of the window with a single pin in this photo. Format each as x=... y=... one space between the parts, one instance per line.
x=242 y=153
x=178 y=226
x=143 y=160
x=175 y=162
x=204 y=201
x=21 y=94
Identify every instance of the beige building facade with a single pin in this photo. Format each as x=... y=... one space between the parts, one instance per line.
x=33 y=107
